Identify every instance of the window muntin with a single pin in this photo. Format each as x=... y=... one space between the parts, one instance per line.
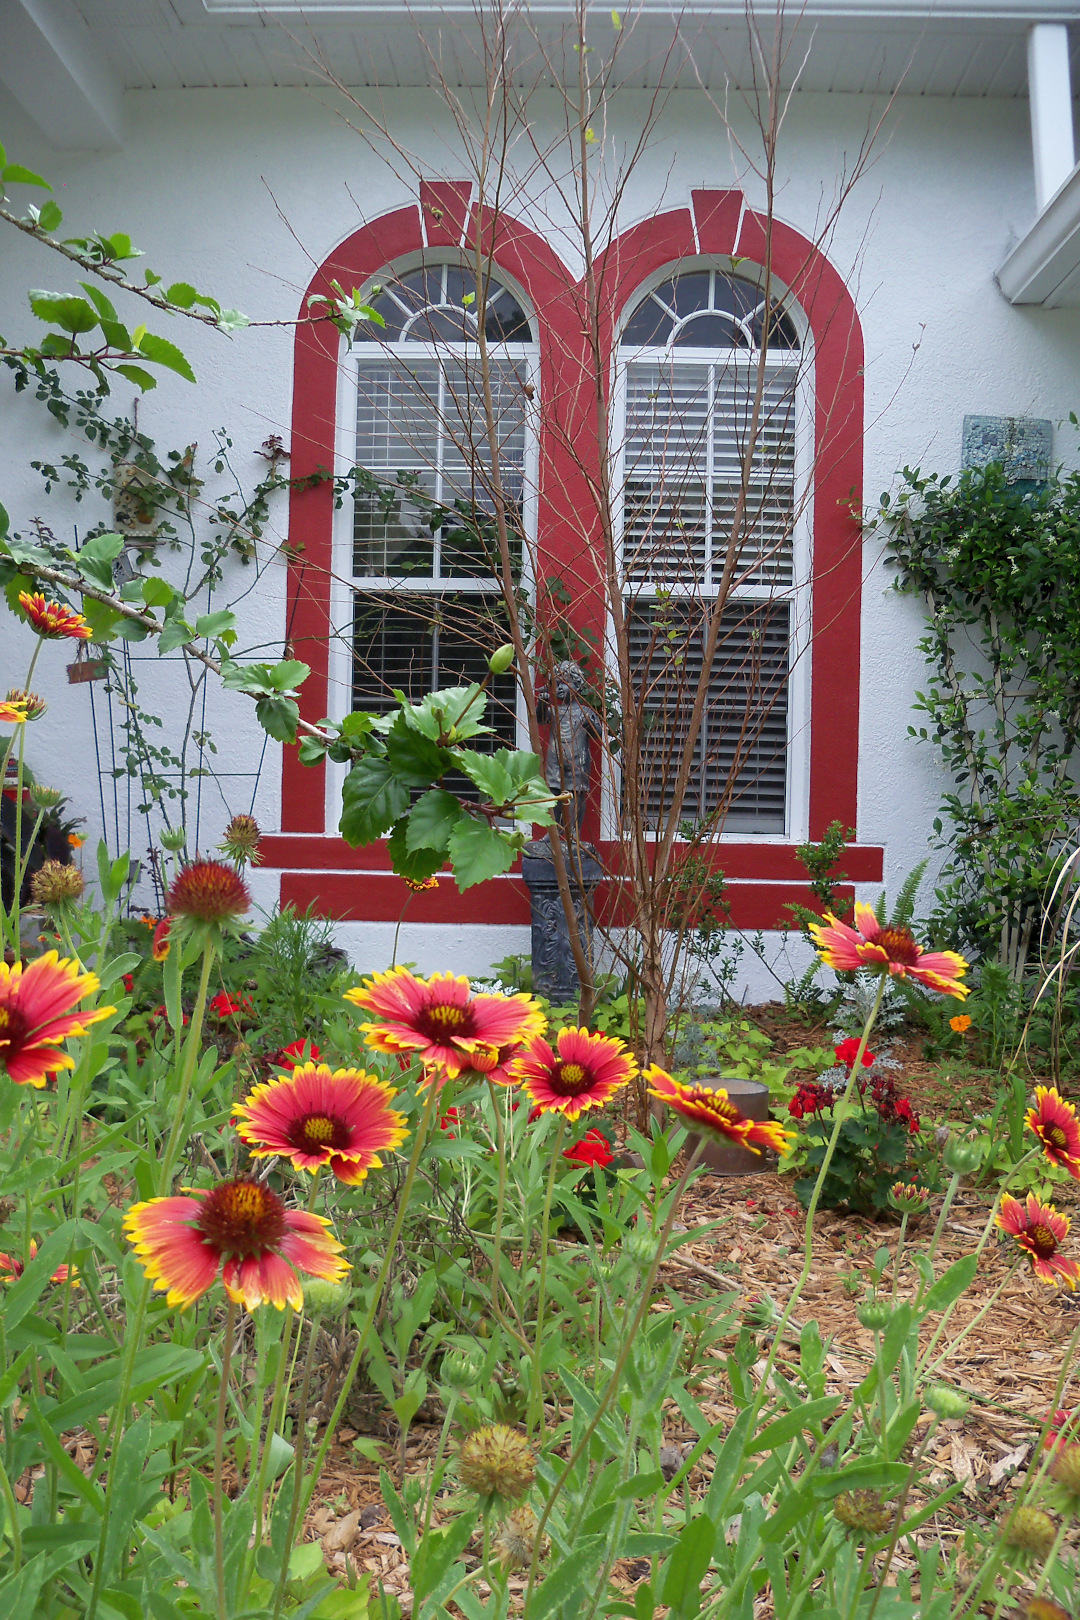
x=426 y=608
x=689 y=370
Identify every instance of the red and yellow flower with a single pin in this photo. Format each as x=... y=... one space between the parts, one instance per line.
x=159 y=945
x=1055 y=1123
x=51 y=619
x=712 y=1114
x=584 y=1072
x=1039 y=1229
x=314 y=1117
x=12 y=1268
x=873 y=945
x=12 y=713
x=439 y=1021
x=36 y=1016
x=241 y=1230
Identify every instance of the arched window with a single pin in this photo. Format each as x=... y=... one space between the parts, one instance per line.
x=710 y=500
x=424 y=609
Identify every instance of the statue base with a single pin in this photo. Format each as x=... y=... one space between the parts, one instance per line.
x=554 y=974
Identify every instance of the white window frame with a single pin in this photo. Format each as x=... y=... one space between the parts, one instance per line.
x=799 y=594
x=344 y=584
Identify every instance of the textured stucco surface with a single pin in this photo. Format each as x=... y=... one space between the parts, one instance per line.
x=243 y=192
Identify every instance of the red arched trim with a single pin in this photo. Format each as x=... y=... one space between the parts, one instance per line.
x=718 y=223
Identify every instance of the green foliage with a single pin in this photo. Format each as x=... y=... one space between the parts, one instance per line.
x=999 y=568
x=739 y=1049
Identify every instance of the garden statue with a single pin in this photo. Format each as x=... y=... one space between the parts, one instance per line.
x=568 y=762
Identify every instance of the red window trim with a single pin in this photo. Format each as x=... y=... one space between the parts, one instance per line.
x=718 y=223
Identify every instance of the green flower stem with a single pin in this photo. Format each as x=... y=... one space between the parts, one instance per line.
x=273 y=1424
x=12 y=1509
x=298 y=1460
x=500 y=1197
x=430 y=1106
x=894 y=1538
x=444 y=1435
x=536 y=1392
x=617 y=1371
x=188 y=1064
x=20 y=857
x=219 y=1458
x=1052 y=1556
x=899 y=1251
x=111 y=1445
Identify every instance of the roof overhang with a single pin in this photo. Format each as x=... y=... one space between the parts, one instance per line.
x=1044 y=266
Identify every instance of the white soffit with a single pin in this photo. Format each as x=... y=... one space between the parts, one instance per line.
x=52 y=64
x=961 y=48
x=1044 y=267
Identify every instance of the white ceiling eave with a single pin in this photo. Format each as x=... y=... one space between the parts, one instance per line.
x=1044 y=266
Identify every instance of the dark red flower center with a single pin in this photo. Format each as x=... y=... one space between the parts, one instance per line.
x=1055 y=1136
x=242 y=1218
x=569 y=1079
x=1042 y=1241
x=440 y=1021
x=899 y=945
x=315 y=1133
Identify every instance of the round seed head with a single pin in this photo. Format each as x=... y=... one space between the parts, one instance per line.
x=1030 y=1530
x=863 y=1512
x=55 y=884
x=496 y=1461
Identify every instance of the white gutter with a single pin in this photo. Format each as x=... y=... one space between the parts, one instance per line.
x=1048 y=255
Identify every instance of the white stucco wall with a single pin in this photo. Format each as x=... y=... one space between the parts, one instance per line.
x=243 y=192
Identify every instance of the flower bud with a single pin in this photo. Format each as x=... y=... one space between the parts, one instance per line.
x=501 y=658
x=46 y=798
x=640 y=1247
x=1030 y=1530
x=945 y=1401
x=55 y=884
x=174 y=838
x=325 y=1298
x=461 y=1371
x=412 y=1490
x=34 y=705
x=962 y=1158
x=908 y=1198
x=875 y=1314
x=863 y=1512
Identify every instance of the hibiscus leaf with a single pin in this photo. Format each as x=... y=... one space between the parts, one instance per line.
x=478 y=852
x=372 y=799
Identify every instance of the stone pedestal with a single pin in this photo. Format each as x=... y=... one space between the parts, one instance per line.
x=553 y=970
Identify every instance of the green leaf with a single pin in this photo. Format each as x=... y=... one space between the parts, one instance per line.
x=372 y=799
x=49 y=217
x=488 y=772
x=135 y=374
x=886 y=1478
x=414 y=758
x=212 y=624
x=70 y=314
x=432 y=820
x=157 y=592
x=793 y=1423
x=279 y=717
x=99 y=301
x=95 y=560
x=176 y=632
x=565 y=1580
x=126 y=1489
x=437 y=1551
x=164 y=353
x=102 y=619
x=478 y=852
x=951 y=1284
x=415 y=864
x=181 y=293
x=685 y=1570
x=21 y=1298
x=15 y=175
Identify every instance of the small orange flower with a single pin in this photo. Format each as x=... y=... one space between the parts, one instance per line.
x=1055 y=1123
x=712 y=1113
x=1039 y=1229
x=315 y=1117
x=76 y=840
x=51 y=620
x=240 y=1229
x=888 y=950
x=586 y=1071
x=418 y=885
x=960 y=1023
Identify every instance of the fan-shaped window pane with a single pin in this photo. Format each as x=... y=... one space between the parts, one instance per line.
x=685 y=311
x=438 y=303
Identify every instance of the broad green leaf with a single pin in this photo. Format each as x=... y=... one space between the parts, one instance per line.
x=14 y=174
x=431 y=821
x=176 y=632
x=49 y=217
x=880 y=1476
x=182 y=294
x=414 y=758
x=437 y=1552
x=164 y=353
x=127 y=1489
x=102 y=619
x=157 y=592
x=212 y=624
x=372 y=799
x=566 y=1578
x=95 y=559
x=489 y=773
x=70 y=314
x=279 y=717
x=477 y=852
x=135 y=374
x=414 y=864
x=793 y=1423
x=684 y=1571
x=104 y=308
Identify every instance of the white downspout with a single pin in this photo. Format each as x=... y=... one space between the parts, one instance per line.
x=1050 y=95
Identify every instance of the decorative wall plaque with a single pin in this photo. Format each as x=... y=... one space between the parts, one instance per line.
x=1023 y=444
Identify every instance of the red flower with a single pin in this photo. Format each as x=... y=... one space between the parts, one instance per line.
x=36 y=1016
x=1063 y=1418
x=314 y=1117
x=584 y=1073
x=440 y=1022
x=159 y=944
x=208 y=891
x=304 y=1050
x=810 y=1099
x=1055 y=1124
x=1039 y=1229
x=225 y=1006
x=846 y=1051
x=240 y=1229
x=129 y=983
x=51 y=620
x=594 y=1148
x=12 y=1268
x=888 y=950
x=712 y=1114
x=451 y=1117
